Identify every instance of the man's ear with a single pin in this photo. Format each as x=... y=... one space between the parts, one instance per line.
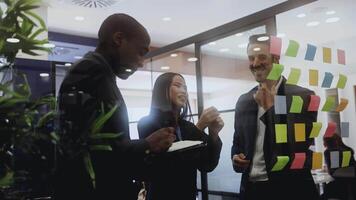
x=117 y=38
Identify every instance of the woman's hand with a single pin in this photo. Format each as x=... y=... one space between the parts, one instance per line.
x=208 y=116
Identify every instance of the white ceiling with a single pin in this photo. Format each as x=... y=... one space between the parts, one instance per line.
x=188 y=17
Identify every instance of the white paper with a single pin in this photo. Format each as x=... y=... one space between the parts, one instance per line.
x=183 y=144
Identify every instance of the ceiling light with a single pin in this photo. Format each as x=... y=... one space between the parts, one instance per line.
x=128 y=70
x=332 y=20
x=212 y=43
x=301 y=15
x=49 y=45
x=263 y=38
x=192 y=59
x=165 y=68
x=257 y=49
x=224 y=50
x=79 y=18
x=313 y=23
x=78 y=57
x=12 y=40
x=239 y=34
x=330 y=12
x=242 y=46
x=174 y=55
x=166 y=19
x=44 y=75
x=68 y=64
x=281 y=35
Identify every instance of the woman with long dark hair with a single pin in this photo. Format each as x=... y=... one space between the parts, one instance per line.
x=173 y=175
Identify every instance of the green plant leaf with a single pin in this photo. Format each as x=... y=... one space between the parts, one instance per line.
x=46 y=118
x=100 y=121
x=89 y=167
x=54 y=136
x=105 y=135
x=7 y=180
x=38 y=18
x=100 y=148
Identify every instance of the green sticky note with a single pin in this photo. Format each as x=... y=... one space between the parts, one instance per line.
x=346 y=157
x=281 y=133
x=292 y=49
x=282 y=161
x=342 y=81
x=297 y=105
x=315 y=130
x=276 y=72
x=294 y=76
x=329 y=103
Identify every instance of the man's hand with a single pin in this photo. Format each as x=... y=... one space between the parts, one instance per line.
x=161 y=139
x=239 y=160
x=208 y=116
x=265 y=96
x=215 y=127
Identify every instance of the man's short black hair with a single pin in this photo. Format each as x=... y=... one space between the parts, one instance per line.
x=120 y=22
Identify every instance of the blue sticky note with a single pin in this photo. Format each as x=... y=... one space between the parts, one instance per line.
x=328 y=79
x=310 y=54
x=345 y=129
x=280 y=105
x=334 y=159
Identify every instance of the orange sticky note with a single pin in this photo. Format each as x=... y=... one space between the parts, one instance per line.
x=342 y=105
x=326 y=55
x=299 y=160
x=314 y=103
x=275 y=46
x=313 y=77
x=299 y=132
x=317 y=160
x=330 y=131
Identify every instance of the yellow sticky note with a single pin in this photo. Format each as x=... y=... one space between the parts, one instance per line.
x=313 y=77
x=282 y=161
x=342 y=105
x=299 y=132
x=276 y=72
x=329 y=104
x=294 y=76
x=297 y=105
x=281 y=133
x=326 y=55
x=315 y=130
x=346 y=157
x=317 y=160
x=341 y=82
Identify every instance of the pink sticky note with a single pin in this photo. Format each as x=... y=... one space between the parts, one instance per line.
x=276 y=45
x=341 y=57
x=330 y=131
x=299 y=160
x=314 y=103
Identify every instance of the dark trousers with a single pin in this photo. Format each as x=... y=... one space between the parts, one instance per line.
x=281 y=190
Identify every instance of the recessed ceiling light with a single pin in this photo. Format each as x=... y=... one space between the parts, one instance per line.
x=212 y=43
x=78 y=57
x=192 y=59
x=174 y=55
x=330 y=12
x=224 y=50
x=44 y=75
x=263 y=38
x=49 y=45
x=79 y=18
x=128 y=70
x=239 y=34
x=166 y=19
x=281 y=35
x=332 y=20
x=165 y=68
x=301 y=15
x=242 y=46
x=257 y=49
x=313 y=23
x=12 y=40
x=68 y=64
